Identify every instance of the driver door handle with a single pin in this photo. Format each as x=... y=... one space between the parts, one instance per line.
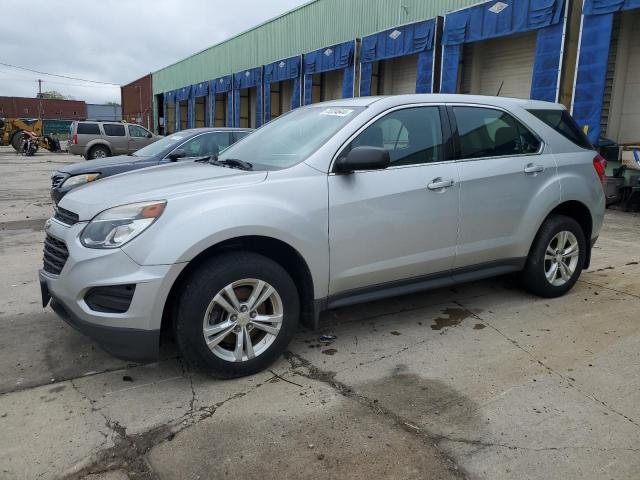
x=440 y=184
x=532 y=168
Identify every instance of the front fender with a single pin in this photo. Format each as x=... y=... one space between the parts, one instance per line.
x=194 y=224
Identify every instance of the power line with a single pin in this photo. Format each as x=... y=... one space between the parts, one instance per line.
x=56 y=75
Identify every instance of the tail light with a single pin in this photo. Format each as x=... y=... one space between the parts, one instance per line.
x=600 y=164
x=74 y=140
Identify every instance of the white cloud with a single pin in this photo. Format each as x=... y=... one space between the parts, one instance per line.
x=114 y=40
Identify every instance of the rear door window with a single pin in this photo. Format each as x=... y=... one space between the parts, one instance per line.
x=113 y=129
x=88 y=129
x=486 y=132
x=564 y=124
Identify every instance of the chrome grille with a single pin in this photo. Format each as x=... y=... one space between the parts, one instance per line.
x=55 y=255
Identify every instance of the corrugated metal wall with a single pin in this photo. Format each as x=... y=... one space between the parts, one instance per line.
x=312 y=26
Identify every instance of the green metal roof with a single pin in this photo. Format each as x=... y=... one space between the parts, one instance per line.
x=311 y=26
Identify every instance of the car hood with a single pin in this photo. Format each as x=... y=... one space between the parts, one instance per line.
x=95 y=166
x=155 y=183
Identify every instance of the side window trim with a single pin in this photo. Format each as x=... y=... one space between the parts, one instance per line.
x=443 y=156
x=456 y=142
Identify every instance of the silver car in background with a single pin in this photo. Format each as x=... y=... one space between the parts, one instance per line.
x=105 y=139
x=329 y=205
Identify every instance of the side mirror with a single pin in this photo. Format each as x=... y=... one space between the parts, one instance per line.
x=176 y=154
x=149 y=135
x=363 y=158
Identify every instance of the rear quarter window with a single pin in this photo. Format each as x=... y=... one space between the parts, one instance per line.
x=88 y=129
x=564 y=124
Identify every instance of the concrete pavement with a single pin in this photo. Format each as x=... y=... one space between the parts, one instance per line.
x=478 y=381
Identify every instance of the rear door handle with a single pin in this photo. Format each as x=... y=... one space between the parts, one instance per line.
x=439 y=184
x=531 y=168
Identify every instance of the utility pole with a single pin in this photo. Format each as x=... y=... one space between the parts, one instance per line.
x=39 y=99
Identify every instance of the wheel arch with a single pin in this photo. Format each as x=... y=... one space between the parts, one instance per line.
x=580 y=213
x=277 y=250
x=96 y=143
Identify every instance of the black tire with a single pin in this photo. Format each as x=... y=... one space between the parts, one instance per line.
x=99 y=151
x=202 y=285
x=534 y=278
x=16 y=141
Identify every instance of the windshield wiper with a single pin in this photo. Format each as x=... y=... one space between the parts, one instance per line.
x=230 y=163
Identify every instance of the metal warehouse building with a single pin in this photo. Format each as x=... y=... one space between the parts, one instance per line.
x=582 y=53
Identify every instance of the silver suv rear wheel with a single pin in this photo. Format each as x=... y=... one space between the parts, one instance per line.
x=561 y=258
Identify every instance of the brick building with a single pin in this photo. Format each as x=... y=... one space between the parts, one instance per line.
x=22 y=107
x=136 y=99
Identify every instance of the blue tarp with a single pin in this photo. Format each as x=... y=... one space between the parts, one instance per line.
x=335 y=57
x=601 y=7
x=197 y=90
x=415 y=38
x=169 y=98
x=222 y=85
x=251 y=78
x=488 y=20
x=547 y=63
x=597 y=22
x=592 y=73
x=287 y=69
x=182 y=94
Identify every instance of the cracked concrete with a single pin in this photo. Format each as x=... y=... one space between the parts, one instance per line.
x=478 y=381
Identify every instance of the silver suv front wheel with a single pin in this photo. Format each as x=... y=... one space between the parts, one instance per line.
x=243 y=320
x=236 y=314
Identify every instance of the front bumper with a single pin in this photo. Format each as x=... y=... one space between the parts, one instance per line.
x=133 y=334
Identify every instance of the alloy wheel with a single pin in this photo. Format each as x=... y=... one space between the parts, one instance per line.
x=561 y=258
x=243 y=320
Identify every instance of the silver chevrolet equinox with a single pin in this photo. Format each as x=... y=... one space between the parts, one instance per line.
x=330 y=205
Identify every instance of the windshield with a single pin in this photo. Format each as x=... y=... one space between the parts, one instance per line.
x=157 y=147
x=291 y=138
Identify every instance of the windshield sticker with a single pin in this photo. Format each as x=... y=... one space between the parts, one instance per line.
x=337 y=112
x=176 y=137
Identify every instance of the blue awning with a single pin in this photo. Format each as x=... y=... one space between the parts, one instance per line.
x=335 y=57
x=183 y=93
x=411 y=39
x=330 y=58
x=398 y=42
x=602 y=7
x=170 y=97
x=222 y=84
x=200 y=89
x=251 y=78
x=281 y=70
x=498 y=19
x=247 y=78
x=286 y=69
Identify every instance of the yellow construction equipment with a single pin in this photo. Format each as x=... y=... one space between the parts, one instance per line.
x=11 y=134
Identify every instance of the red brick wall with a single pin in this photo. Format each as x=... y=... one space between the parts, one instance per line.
x=20 y=107
x=137 y=102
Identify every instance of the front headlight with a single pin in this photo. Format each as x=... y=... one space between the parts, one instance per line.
x=80 y=179
x=116 y=226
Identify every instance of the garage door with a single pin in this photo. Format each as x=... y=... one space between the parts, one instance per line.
x=506 y=61
x=332 y=85
x=399 y=75
x=621 y=103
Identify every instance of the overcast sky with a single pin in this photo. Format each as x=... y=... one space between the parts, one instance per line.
x=114 y=40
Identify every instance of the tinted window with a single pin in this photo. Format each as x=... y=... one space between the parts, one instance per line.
x=88 y=129
x=113 y=129
x=564 y=124
x=484 y=132
x=206 y=144
x=136 y=131
x=241 y=135
x=411 y=135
